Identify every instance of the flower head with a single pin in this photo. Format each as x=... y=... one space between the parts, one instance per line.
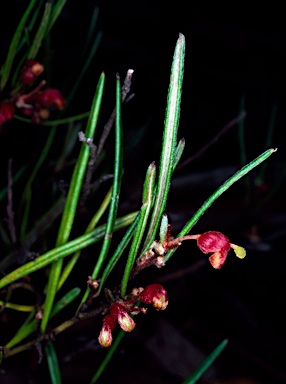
x=156 y=295
x=218 y=244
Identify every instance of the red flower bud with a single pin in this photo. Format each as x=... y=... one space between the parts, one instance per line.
x=30 y=71
x=156 y=295
x=7 y=111
x=105 y=336
x=51 y=97
x=117 y=311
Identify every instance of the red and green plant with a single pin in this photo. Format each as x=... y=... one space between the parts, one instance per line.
x=147 y=242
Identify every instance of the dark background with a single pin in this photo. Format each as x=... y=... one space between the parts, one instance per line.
x=231 y=53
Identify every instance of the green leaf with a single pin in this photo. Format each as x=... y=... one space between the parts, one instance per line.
x=118 y=163
x=72 y=261
x=68 y=298
x=53 y=363
x=72 y=201
x=178 y=153
x=40 y=32
x=204 y=366
x=6 y=69
x=108 y=357
x=119 y=251
x=148 y=197
x=55 y=13
x=65 y=250
x=169 y=139
x=31 y=324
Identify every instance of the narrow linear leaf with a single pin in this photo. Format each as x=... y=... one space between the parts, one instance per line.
x=65 y=250
x=27 y=193
x=85 y=66
x=108 y=357
x=41 y=32
x=72 y=262
x=68 y=298
x=25 y=330
x=178 y=153
x=72 y=201
x=52 y=123
x=204 y=366
x=119 y=251
x=169 y=139
x=31 y=324
x=6 y=69
x=17 y=307
x=53 y=363
x=148 y=195
x=55 y=13
x=118 y=163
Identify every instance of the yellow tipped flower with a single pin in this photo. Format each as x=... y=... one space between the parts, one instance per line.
x=220 y=245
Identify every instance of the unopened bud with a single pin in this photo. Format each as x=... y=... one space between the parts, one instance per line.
x=30 y=71
x=118 y=312
x=105 y=336
x=51 y=97
x=156 y=295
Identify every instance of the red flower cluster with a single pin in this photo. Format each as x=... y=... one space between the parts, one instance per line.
x=36 y=103
x=153 y=294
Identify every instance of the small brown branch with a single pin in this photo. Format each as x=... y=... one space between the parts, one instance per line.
x=223 y=131
x=107 y=128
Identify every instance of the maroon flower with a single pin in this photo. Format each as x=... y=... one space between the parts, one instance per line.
x=51 y=97
x=218 y=244
x=30 y=71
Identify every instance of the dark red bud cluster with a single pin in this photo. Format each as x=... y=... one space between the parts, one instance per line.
x=38 y=102
x=153 y=294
